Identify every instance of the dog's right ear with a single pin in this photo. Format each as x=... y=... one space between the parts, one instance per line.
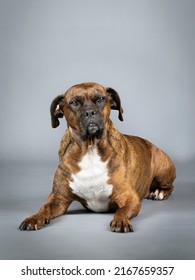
x=56 y=110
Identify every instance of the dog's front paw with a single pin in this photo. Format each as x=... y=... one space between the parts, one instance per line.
x=34 y=222
x=121 y=226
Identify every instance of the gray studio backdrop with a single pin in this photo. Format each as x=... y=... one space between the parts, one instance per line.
x=143 y=49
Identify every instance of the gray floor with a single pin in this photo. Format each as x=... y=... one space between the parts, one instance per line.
x=163 y=230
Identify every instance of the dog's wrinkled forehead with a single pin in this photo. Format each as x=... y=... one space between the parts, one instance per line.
x=86 y=90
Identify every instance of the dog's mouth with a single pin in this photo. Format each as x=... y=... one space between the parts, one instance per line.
x=91 y=131
x=92 y=128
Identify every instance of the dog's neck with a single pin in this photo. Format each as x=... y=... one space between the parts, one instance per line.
x=102 y=145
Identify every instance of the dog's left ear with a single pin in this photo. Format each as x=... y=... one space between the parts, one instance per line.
x=115 y=102
x=56 y=110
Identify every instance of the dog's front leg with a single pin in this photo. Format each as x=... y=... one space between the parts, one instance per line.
x=55 y=206
x=129 y=206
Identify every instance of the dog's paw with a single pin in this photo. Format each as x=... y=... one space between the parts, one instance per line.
x=157 y=195
x=121 y=226
x=34 y=222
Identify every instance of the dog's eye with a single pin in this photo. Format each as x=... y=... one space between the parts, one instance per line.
x=100 y=100
x=74 y=103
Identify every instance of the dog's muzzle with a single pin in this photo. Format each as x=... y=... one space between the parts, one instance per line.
x=91 y=124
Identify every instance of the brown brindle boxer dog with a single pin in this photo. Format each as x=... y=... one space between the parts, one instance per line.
x=100 y=167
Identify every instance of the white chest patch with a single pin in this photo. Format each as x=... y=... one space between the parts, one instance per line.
x=90 y=183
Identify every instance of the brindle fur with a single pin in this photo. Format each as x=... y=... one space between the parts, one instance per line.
x=136 y=167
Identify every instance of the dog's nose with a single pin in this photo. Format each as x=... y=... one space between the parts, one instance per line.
x=90 y=113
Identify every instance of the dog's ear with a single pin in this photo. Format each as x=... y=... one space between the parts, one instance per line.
x=115 y=102
x=56 y=110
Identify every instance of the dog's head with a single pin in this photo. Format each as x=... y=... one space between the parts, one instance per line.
x=86 y=108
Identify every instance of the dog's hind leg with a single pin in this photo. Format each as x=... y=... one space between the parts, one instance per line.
x=160 y=190
x=165 y=173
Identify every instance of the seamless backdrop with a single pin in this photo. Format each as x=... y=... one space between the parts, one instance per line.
x=143 y=49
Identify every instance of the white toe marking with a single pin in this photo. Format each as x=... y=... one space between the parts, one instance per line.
x=156 y=193
x=161 y=196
